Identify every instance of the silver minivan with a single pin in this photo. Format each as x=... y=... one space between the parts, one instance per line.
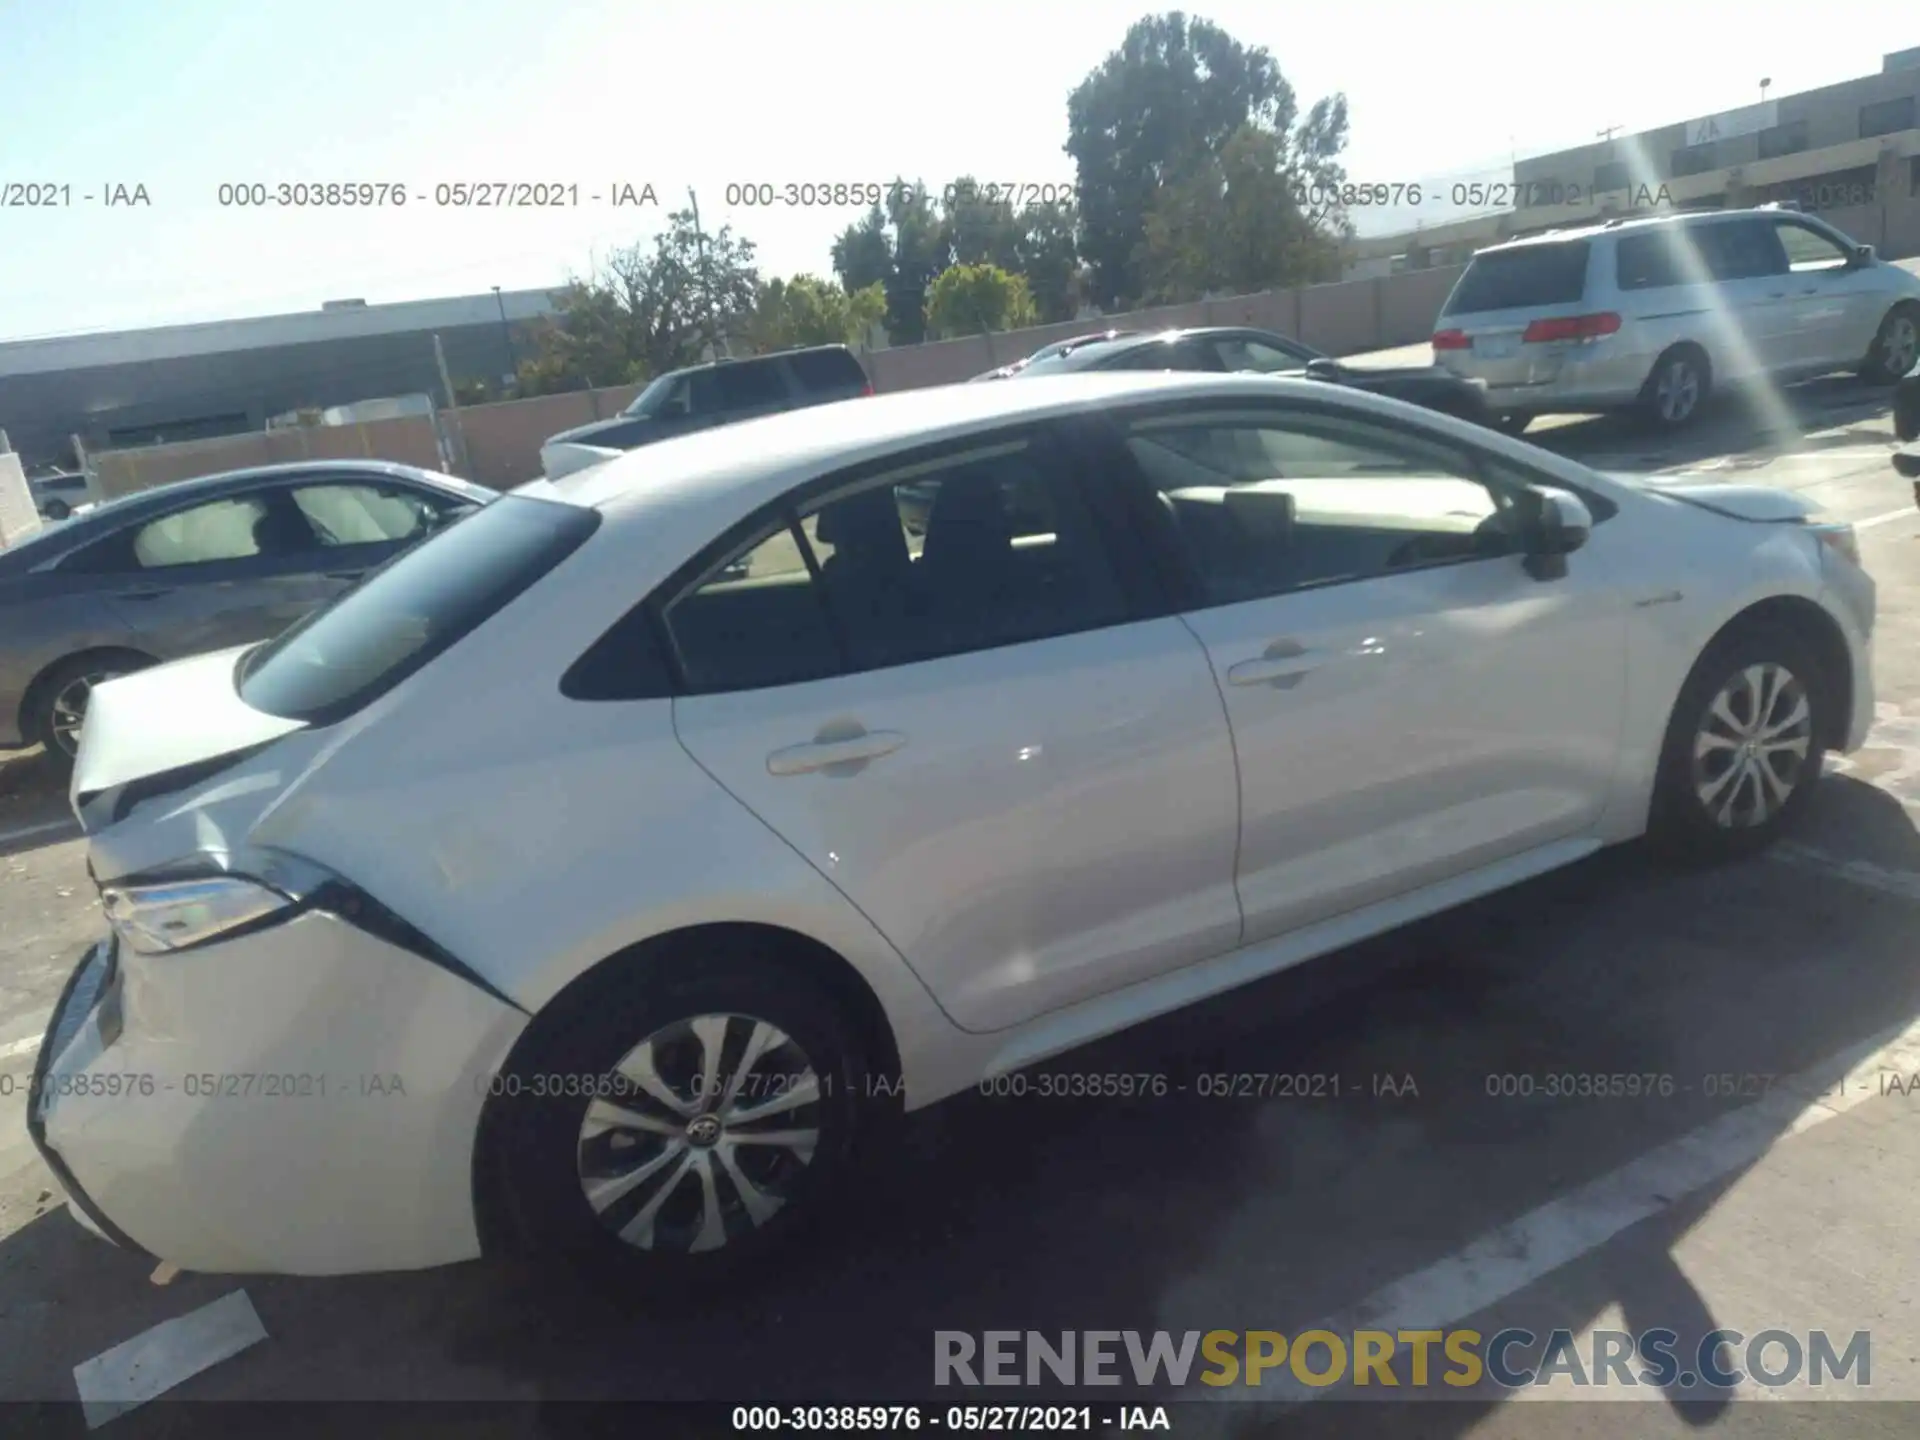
x=1652 y=314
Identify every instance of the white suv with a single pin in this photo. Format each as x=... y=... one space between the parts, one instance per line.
x=1653 y=313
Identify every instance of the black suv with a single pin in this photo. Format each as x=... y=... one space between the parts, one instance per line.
x=703 y=396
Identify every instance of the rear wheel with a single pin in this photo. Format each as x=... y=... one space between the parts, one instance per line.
x=681 y=1122
x=1744 y=746
x=1896 y=346
x=57 y=708
x=1675 y=391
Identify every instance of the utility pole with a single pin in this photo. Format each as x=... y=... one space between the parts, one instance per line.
x=506 y=333
x=1610 y=132
x=714 y=337
x=453 y=409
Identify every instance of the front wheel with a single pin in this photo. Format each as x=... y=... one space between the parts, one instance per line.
x=680 y=1123
x=1743 y=748
x=1896 y=346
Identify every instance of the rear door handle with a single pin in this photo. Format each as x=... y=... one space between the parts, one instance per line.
x=345 y=574
x=1283 y=660
x=823 y=754
x=141 y=594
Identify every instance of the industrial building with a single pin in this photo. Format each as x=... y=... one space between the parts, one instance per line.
x=189 y=382
x=1848 y=151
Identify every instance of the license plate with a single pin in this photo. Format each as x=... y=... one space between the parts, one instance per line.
x=1494 y=347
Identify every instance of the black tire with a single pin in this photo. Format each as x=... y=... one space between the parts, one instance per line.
x=1512 y=424
x=1682 y=823
x=1887 y=362
x=535 y=1154
x=43 y=713
x=1683 y=371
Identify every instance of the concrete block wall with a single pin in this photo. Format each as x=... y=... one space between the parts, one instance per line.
x=501 y=441
x=411 y=440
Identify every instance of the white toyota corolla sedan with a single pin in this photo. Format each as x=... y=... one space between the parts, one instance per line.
x=593 y=876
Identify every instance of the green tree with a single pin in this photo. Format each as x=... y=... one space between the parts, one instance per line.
x=809 y=311
x=1156 y=113
x=646 y=310
x=863 y=255
x=1233 y=226
x=921 y=250
x=981 y=230
x=973 y=299
x=1047 y=252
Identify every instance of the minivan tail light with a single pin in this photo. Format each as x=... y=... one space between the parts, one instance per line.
x=1571 y=327
x=869 y=388
x=1451 y=340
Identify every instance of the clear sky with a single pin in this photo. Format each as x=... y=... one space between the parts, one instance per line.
x=182 y=96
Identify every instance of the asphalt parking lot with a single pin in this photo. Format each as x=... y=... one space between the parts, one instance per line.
x=1782 y=1202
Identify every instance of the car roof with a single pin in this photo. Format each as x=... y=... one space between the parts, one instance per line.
x=758 y=460
x=724 y=361
x=1627 y=225
x=1087 y=355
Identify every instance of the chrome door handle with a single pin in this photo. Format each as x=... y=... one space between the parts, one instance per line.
x=824 y=754
x=1283 y=660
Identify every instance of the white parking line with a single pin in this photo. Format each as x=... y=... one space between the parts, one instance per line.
x=1905 y=512
x=154 y=1361
x=1513 y=1256
x=16 y=1048
x=45 y=827
x=1903 y=883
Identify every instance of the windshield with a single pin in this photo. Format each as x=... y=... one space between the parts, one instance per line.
x=370 y=639
x=1075 y=357
x=649 y=400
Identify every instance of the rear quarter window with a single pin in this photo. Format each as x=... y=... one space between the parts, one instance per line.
x=1526 y=277
x=346 y=654
x=827 y=370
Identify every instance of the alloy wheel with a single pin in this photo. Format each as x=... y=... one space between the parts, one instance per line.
x=702 y=1133
x=1677 y=391
x=1751 y=749
x=1900 y=345
x=69 y=710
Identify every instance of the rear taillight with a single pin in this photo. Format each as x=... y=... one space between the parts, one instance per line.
x=1571 y=327
x=869 y=389
x=1451 y=340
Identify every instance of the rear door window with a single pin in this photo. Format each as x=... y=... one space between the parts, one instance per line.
x=753 y=385
x=236 y=528
x=344 y=655
x=826 y=370
x=1526 y=277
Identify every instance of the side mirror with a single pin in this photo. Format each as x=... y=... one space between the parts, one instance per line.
x=1323 y=369
x=1863 y=254
x=1560 y=525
